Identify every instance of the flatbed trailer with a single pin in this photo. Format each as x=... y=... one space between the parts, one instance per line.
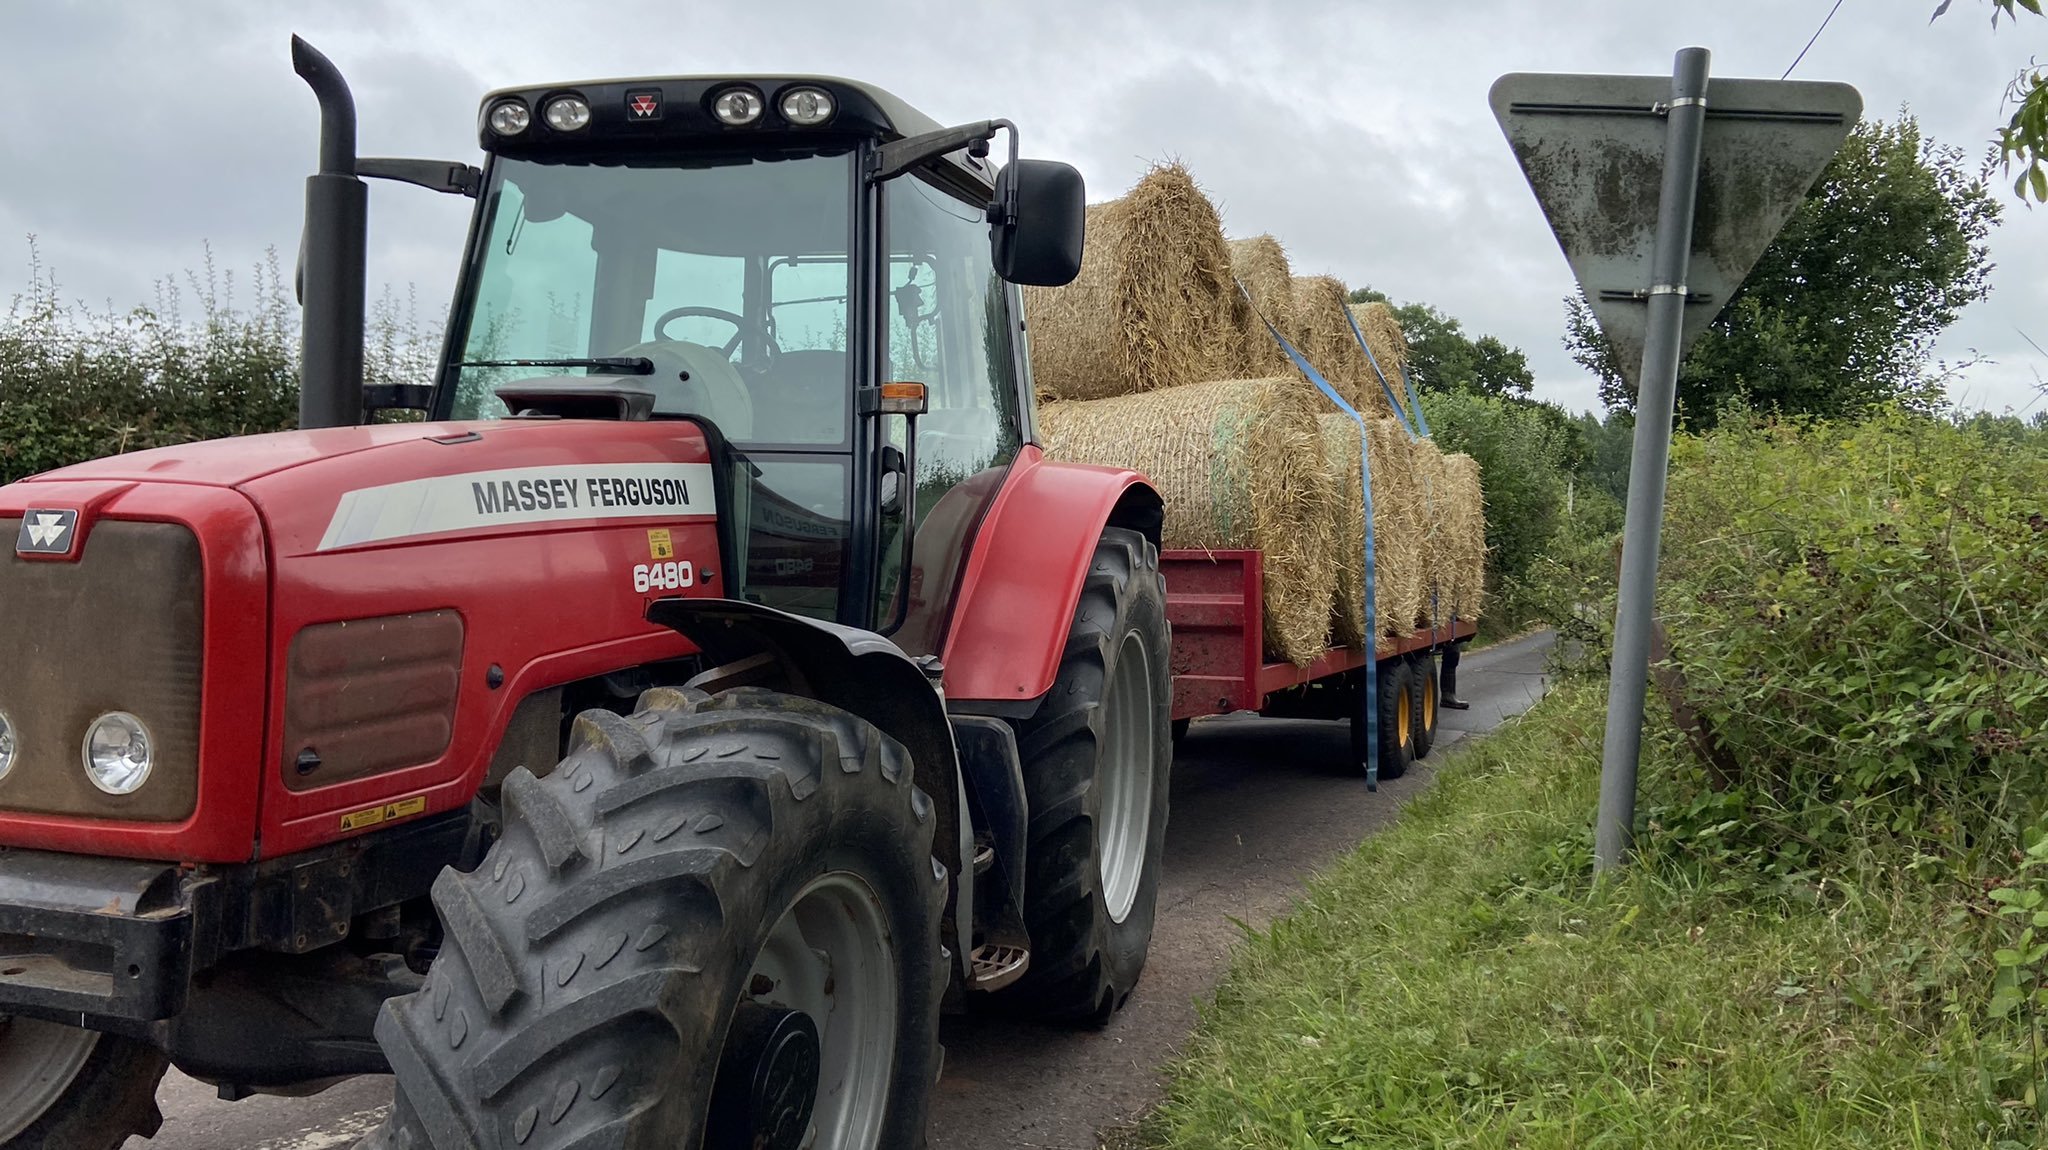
x=1215 y=604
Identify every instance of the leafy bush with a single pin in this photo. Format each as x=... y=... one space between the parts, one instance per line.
x=1861 y=614
x=1525 y=452
x=77 y=384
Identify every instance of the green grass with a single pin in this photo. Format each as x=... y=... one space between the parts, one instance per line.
x=1460 y=981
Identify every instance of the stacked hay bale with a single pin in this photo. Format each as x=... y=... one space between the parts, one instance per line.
x=1153 y=306
x=1396 y=518
x=1323 y=334
x=1153 y=360
x=1389 y=345
x=1431 y=603
x=1240 y=465
x=1260 y=264
x=1465 y=545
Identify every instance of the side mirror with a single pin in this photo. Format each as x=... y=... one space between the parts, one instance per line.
x=1040 y=242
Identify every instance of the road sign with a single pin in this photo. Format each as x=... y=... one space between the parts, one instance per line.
x=1593 y=150
x=1662 y=193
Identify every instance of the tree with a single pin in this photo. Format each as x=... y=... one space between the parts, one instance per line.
x=1842 y=310
x=2023 y=142
x=1441 y=357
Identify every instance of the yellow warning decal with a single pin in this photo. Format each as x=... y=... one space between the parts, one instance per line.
x=659 y=545
x=357 y=820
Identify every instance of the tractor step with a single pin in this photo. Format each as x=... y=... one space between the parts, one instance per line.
x=997 y=966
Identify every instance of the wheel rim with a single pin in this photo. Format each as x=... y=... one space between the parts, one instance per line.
x=1403 y=715
x=1123 y=824
x=1429 y=704
x=830 y=957
x=38 y=1063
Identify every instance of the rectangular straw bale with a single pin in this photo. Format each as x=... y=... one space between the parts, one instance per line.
x=1432 y=587
x=1323 y=335
x=1240 y=465
x=1396 y=527
x=1153 y=305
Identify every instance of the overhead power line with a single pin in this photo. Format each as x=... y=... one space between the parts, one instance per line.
x=1816 y=38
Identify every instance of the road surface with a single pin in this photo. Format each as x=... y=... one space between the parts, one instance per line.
x=1258 y=805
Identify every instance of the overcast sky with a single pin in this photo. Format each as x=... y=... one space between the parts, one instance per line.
x=1357 y=131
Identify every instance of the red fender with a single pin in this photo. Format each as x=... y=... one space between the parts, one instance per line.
x=1025 y=572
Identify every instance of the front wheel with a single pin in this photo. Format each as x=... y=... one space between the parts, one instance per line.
x=63 y=1088
x=1395 y=699
x=715 y=924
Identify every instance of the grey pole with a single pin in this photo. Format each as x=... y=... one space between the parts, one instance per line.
x=1685 y=122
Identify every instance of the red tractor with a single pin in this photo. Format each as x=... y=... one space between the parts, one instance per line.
x=644 y=749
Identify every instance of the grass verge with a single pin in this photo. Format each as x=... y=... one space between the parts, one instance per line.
x=1459 y=981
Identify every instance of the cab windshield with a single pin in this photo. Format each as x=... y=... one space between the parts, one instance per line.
x=728 y=274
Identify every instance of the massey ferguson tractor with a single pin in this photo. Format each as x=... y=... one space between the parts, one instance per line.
x=646 y=747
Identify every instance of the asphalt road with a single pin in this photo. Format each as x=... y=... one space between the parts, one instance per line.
x=1258 y=805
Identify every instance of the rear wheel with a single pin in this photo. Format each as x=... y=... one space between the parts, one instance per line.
x=1423 y=688
x=1097 y=761
x=716 y=924
x=1397 y=721
x=63 y=1088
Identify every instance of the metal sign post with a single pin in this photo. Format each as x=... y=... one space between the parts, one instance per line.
x=1662 y=193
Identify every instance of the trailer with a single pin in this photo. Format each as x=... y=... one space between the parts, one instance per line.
x=1215 y=606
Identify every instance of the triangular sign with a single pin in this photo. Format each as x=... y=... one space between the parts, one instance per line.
x=1593 y=150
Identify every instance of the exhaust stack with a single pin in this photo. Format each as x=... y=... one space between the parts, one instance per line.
x=332 y=256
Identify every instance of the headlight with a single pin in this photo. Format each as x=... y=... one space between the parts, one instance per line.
x=566 y=113
x=807 y=107
x=118 y=753
x=737 y=106
x=6 y=744
x=509 y=117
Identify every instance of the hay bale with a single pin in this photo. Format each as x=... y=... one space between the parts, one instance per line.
x=1323 y=334
x=1260 y=264
x=1152 y=306
x=1432 y=589
x=1465 y=543
x=1396 y=527
x=1240 y=465
x=1389 y=346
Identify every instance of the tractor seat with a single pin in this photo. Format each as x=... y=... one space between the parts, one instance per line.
x=802 y=398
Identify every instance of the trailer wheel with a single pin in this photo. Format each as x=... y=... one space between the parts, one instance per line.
x=1397 y=721
x=63 y=1088
x=1097 y=760
x=1422 y=681
x=716 y=923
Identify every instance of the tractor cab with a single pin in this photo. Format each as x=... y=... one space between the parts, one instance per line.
x=817 y=273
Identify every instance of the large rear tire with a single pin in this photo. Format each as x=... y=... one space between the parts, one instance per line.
x=62 y=1088
x=1098 y=757
x=1397 y=716
x=727 y=897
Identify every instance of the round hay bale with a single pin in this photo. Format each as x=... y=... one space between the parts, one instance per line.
x=1396 y=524
x=1432 y=586
x=1389 y=346
x=1240 y=465
x=1323 y=334
x=1260 y=263
x=1152 y=306
x=1465 y=546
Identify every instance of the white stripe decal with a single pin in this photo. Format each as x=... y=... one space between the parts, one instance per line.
x=519 y=495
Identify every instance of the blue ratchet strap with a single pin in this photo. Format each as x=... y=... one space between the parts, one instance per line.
x=1414 y=401
x=1372 y=630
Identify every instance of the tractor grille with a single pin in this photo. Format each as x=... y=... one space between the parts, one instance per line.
x=119 y=630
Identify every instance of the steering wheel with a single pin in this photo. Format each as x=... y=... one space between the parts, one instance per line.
x=742 y=327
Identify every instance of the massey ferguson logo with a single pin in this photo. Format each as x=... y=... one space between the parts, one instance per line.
x=643 y=105
x=46 y=532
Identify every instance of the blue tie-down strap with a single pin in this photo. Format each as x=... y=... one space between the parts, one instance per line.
x=1414 y=401
x=1372 y=630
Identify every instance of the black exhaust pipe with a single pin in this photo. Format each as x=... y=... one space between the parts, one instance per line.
x=332 y=256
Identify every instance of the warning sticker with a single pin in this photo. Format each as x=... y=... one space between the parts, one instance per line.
x=660 y=545
x=370 y=817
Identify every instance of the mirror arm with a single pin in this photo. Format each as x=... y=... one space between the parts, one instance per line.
x=899 y=156
x=455 y=179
